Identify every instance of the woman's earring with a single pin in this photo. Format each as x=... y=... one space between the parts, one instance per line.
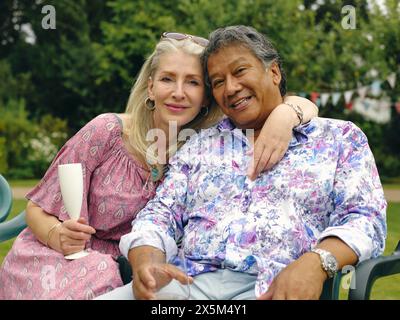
x=206 y=113
x=149 y=104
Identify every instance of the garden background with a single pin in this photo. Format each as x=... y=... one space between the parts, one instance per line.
x=53 y=81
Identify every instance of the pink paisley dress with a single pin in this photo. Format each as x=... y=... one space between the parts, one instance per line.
x=115 y=189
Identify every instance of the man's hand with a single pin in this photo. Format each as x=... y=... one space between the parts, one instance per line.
x=149 y=278
x=303 y=279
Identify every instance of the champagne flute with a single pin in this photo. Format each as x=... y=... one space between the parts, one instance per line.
x=71 y=183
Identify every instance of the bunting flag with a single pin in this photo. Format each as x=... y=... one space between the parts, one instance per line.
x=392 y=80
x=302 y=94
x=397 y=106
x=362 y=91
x=336 y=97
x=377 y=110
x=376 y=88
x=347 y=95
x=364 y=101
x=314 y=96
x=324 y=99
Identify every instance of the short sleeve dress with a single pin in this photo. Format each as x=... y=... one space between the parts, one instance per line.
x=116 y=187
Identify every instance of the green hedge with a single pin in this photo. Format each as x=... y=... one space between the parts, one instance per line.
x=27 y=146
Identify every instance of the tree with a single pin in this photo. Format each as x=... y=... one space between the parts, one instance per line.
x=89 y=63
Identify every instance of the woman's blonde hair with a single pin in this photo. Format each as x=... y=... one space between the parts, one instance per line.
x=141 y=117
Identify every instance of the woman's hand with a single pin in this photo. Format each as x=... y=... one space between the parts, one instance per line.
x=273 y=140
x=275 y=136
x=72 y=236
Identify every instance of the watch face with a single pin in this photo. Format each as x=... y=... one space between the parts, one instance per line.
x=331 y=263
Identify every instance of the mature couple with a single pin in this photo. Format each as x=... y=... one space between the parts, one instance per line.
x=278 y=234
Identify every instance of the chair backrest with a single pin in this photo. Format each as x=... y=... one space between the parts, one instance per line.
x=5 y=198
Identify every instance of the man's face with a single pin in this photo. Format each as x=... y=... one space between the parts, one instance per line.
x=244 y=89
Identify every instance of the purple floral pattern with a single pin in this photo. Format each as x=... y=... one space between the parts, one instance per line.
x=327 y=184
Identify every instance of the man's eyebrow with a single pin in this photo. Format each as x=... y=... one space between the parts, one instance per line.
x=239 y=60
x=233 y=63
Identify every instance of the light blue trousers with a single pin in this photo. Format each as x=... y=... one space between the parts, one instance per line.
x=218 y=285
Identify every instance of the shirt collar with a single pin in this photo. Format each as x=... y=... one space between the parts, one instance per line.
x=226 y=125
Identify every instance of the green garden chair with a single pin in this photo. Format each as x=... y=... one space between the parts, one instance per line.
x=8 y=229
x=5 y=199
x=364 y=276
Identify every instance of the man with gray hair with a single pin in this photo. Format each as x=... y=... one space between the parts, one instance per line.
x=277 y=237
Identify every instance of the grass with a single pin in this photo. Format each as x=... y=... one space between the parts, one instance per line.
x=387 y=288
x=23 y=183
x=390 y=180
x=394 y=186
x=391 y=183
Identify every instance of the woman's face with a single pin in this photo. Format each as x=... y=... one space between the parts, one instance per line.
x=177 y=89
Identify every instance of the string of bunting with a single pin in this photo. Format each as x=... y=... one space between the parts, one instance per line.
x=374 y=89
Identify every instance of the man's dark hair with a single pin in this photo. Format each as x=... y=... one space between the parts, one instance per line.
x=249 y=38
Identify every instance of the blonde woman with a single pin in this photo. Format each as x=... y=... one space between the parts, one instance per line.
x=121 y=173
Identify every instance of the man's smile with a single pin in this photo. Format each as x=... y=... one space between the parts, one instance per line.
x=241 y=103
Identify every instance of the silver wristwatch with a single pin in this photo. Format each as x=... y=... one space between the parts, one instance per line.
x=328 y=261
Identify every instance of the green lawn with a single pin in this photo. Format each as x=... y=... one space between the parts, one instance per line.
x=23 y=183
x=385 y=288
x=392 y=186
x=391 y=183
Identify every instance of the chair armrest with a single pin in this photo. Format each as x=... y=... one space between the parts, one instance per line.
x=13 y=227
x=5 y=199
x=330 y=290
x=370 y=270
x=124 y=269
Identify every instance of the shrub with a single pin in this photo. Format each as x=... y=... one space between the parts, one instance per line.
x=28 y=146
x=3 y=155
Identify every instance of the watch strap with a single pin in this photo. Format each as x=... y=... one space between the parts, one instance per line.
x=324 y=254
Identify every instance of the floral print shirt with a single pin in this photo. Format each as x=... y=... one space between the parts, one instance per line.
x=327 y=184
